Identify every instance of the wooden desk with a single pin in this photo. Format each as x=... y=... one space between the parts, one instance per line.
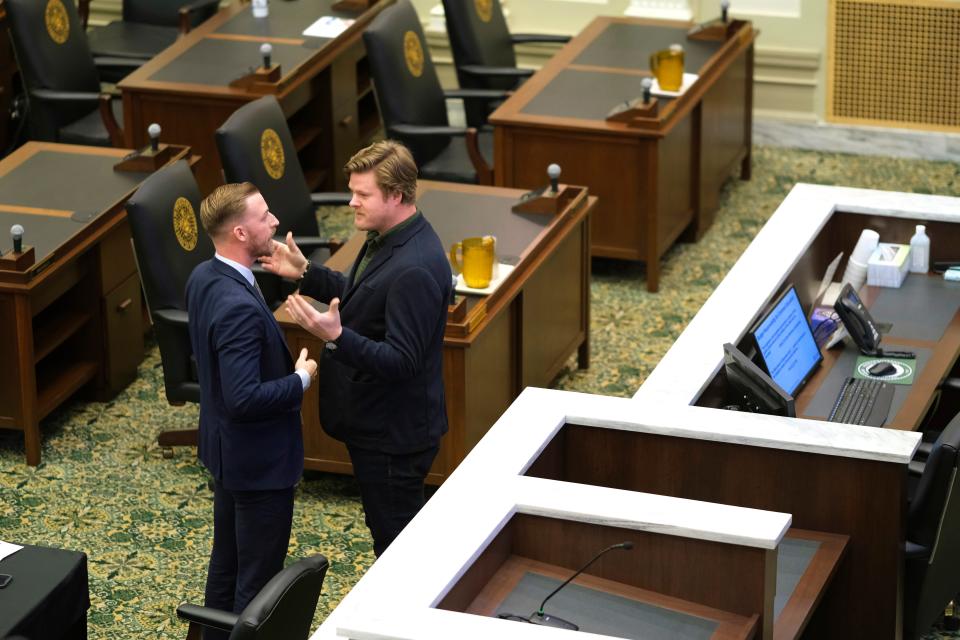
x=73 y=319
x=656 y=181
x=325 y=89
x=521 y=335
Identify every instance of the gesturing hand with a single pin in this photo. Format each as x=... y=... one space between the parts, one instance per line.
x=325 y=326
x=307 y=364
x=286 y=259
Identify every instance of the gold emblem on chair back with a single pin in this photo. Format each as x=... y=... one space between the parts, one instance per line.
x=185 y=224
x=271 y=151
x=484 y=9
x=57 y=21
x=413 y=53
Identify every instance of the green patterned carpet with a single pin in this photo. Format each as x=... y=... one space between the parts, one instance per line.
x=146 y=522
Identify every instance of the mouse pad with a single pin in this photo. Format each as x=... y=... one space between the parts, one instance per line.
x=903 y=372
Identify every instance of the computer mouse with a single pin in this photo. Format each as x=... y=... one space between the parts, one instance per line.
x=882 y=369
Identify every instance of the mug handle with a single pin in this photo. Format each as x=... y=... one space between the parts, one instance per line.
x=456 y=256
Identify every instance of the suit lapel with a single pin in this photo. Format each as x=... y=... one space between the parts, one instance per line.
x=228 y=271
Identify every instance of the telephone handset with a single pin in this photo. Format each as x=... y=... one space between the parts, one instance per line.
x=861 y=326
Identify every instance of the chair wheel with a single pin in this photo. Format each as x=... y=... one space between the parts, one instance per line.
x=167 y=452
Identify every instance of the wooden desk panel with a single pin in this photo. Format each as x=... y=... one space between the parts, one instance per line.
x=522 y=334
x=654 y=181
x=73 y=319
x=325 y=90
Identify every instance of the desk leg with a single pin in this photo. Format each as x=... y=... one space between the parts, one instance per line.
x=746 y=165
x=27 y=376
x=586 y=276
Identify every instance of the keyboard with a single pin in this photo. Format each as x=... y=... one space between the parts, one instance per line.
x=863 y=401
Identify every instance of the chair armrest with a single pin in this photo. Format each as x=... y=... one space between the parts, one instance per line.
x=496 y=72
x=175 y=317
x=208 y=617
x=314 y=242
x=83 y=8
x=522 y=38
x=950 y=384
x=414 y=130
x=121 y=64
x=476 y=94
x=188 y=10
x=52 y=95
x=330 y=199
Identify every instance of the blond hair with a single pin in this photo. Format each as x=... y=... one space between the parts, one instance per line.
x=392 y=165
x=226 y=203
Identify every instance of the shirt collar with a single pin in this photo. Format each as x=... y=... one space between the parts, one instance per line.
x=244 y=270
x=377 y=239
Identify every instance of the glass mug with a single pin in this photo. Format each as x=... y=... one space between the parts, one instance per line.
x=474 y=258
x=667 y=65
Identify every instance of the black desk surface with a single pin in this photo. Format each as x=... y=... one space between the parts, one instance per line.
x=48 y=596
x=286 y=19
x=53 y=194
x=576 y=93
x=629 y=46
x=217 y=62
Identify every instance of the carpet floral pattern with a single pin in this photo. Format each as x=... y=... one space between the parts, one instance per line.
x=146 y=522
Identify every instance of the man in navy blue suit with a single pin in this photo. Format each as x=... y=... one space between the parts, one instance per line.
x=381 y=389
x=250 y=395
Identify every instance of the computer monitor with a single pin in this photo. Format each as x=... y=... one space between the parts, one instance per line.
x=750 y=389
x=788 y=350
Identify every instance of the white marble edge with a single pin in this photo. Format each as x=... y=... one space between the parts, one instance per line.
x=697 y=354
x=651 y=513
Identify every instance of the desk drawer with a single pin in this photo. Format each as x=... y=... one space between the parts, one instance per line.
x=123 y=334
x=116 y=257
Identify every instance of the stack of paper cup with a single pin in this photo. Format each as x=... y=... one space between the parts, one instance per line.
x=856 y=271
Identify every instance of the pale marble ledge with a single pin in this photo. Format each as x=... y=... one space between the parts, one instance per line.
x=697 y=354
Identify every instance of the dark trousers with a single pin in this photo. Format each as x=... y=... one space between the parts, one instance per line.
x=391 y=488
x=251 y=532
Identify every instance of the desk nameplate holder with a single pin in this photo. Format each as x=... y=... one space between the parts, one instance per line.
x=13 y=261
x=715 y=30
x=352 y=5
x=261 y=81
x=146 y=160
x=545 y=201
x=635 y=113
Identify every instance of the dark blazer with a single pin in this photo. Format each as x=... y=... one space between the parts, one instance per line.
x=250 y=434
x=382 y=387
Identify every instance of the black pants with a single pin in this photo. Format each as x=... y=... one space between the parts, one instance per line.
x=391 y=488
x=251 y=533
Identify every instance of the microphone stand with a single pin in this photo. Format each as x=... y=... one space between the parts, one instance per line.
x=538 y=617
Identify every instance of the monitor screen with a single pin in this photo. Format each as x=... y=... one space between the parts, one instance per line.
x=786 y=344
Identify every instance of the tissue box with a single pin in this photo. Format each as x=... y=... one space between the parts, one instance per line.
x=888 y=265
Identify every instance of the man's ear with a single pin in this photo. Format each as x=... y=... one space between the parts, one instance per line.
x=239 y=233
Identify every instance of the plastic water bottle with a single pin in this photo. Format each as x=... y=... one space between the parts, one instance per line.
x=260 y=9
x=920 y=251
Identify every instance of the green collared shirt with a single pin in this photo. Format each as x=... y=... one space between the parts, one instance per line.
x=376 y=240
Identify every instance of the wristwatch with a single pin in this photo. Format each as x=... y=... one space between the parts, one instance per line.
x=331 y=345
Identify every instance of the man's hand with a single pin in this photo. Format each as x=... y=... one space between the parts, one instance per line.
x=307 y=364
x=325 y=326
x=286 y=259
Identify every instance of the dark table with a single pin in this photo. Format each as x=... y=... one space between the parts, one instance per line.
x=48 y=597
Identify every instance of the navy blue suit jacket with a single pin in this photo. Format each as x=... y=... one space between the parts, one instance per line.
x=250 y=433
x=382 y=388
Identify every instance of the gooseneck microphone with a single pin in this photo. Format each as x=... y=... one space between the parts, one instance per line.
x=266 y=49
x=154 y=132
x=16 y=232
x=647 y=84
x=553 y=172
x=547 y=620
x=724 y=9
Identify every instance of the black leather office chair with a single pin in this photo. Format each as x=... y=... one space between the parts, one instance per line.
x=61 y=76
x=413 y=104
x=255 y=145
x=483 y=51
x=147 y=27
x=932 y=576
x=283 y=610
x=169 y=242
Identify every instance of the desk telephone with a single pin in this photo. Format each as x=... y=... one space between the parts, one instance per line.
x=861 y=325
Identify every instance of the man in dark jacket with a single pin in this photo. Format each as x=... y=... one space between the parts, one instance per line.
x=250 y=395
x=381 y=379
